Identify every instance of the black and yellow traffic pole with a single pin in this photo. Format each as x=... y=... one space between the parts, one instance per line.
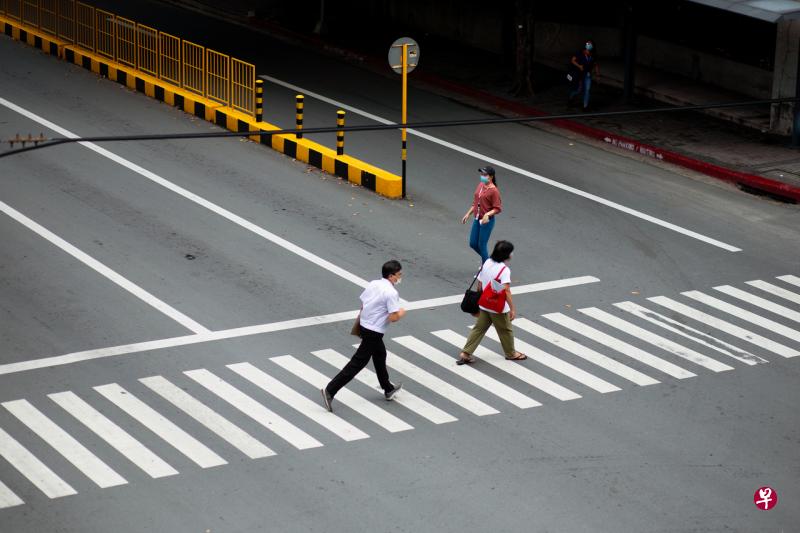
x=298 y=116
x=339 y=132
x=404 y=60
x=259 y=100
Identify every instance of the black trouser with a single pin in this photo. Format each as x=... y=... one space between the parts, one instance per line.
x=371 y=346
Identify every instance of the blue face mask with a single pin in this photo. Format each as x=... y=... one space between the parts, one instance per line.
x=589 y=46
x=484 y=179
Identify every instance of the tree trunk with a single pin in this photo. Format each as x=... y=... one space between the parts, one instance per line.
x=523 y=50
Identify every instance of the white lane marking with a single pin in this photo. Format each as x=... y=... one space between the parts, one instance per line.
x=560 y=366
x=499 y=389
x=408 y=399
x=691 y=333
x=255 y=410
x=777 y=291
x=656 y=340
x=790 y=279
x=439 y=386
x=65 y=444
x=758 y=301
x=184 y=340
x=603 y=361
x=518 y=289
x=103 y=270
x=620 y=346
x=8 y=498
x=115 y=436
x=352 y=400
x=32 y=468
x=158 y=424
x=486 y=159
x=218 y=424
x=236 y=219
x=727 y=327
x=297 y=401
x=516 y=369
x=744 y=314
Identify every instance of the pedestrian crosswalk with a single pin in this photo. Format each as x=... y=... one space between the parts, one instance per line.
x=160 y=425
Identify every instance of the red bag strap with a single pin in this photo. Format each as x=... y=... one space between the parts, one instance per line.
x=498 y=274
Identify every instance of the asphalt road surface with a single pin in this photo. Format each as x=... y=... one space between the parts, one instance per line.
x=168 y=312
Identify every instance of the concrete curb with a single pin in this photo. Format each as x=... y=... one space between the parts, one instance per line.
x=307 y=151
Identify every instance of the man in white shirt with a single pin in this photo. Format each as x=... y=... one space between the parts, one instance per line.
x=380 y=305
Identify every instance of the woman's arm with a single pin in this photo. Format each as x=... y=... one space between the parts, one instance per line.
x=466 y=217
x=510 y=300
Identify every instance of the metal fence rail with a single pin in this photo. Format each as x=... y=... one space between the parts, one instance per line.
x=205 y=72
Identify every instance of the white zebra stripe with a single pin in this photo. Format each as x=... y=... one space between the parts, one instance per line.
x=8 y=498
x=691 y=333
x=620 y=346
x=470 y=374
x=605 y=362
x=352 y=400
x=516 y=369
x=297 y=401
x=727 y=327
x=774 y=289
x=155 y=422
x=758 y=301
x=744 y=314
x=792 y=280
x=255 y=410
x=407 y=399
x=32 y=468
x=115 y=436
x=221 y=426
x=65 y=444
x=656 y=340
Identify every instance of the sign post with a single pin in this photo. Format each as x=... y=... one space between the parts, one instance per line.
x=403 y=58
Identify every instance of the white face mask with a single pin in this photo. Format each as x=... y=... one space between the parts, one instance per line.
x=398 y=281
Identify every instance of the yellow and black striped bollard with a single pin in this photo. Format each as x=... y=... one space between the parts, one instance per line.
x=259 y=100
x=298 y=117
x=339 y=132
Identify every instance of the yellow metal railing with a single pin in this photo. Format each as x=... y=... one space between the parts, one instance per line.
x=181 y=63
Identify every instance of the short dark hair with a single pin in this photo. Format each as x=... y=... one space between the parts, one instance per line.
x=391 y=267
x=502 y=251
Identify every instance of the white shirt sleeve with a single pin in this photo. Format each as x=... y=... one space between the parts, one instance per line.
x=393 y=301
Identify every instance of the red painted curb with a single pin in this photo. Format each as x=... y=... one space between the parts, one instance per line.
x=761 y=183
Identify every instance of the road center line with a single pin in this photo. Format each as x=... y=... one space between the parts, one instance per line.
x=236 y=219
x=185 y=340
x=103 y=270
x=486 y=159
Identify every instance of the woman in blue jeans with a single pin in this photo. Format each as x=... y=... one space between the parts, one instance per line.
x=486 y=204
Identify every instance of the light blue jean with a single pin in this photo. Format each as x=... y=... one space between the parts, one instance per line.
x=586 y=87
x=479 y=237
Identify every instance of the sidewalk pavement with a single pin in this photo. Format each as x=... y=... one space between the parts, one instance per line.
x=755 y=161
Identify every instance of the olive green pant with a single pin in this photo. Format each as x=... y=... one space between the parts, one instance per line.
x=501 y=323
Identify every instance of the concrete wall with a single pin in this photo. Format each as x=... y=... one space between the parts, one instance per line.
x=787 y=47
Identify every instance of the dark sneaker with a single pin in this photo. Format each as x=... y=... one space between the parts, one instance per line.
x=391 y=394
x=327 y=400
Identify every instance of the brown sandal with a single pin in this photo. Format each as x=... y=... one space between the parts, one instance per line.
x=518 y=356
x=464 y=359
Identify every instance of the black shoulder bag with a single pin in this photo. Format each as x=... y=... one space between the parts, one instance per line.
x=469 y=304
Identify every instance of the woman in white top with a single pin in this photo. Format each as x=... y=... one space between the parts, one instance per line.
x=495 y=273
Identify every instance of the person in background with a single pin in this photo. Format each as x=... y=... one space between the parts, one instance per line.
x=583 y=68
x=495 y=271
x=486 y=204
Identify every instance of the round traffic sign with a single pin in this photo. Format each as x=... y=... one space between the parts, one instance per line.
x=396 y=54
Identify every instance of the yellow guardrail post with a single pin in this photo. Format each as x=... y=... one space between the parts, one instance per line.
x=259 y=100
x=340 y=132
x=298 y=116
